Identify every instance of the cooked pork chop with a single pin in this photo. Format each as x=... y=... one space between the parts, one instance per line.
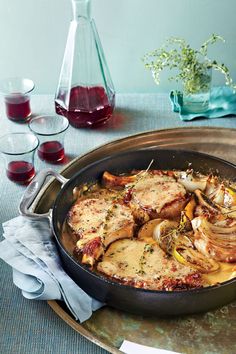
x=156 y=196
x=97 y=222
x=137 y=263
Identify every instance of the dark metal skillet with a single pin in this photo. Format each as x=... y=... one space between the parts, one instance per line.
x=127 y=298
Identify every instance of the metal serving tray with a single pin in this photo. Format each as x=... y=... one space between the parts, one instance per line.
x=212 y=332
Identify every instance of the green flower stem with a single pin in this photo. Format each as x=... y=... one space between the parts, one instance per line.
x=193 y=67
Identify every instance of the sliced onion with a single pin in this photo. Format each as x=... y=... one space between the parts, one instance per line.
x=219 y=195
x=215 y=241
x=190 y=257
x=206 y=201
x=225 y=196
x=212 y=185
x=192 y=182
x=215 y=233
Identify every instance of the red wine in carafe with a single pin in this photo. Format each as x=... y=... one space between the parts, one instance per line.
x=85 y=92
x=88 y=106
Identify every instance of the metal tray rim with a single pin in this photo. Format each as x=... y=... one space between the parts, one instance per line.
x=54 y=304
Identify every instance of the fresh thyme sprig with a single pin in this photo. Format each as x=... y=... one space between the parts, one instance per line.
x=148 y=249
x=142 y=174
x=192 y=65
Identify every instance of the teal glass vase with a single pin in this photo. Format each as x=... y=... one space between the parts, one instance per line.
x=196 y=92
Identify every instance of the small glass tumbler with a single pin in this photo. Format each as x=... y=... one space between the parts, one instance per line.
x=18 y=150
x=16 y=92
x=50 y=129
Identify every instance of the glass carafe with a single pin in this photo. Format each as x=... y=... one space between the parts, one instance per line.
x=85 y=93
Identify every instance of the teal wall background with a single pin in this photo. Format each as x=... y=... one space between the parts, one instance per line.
x=33 y=35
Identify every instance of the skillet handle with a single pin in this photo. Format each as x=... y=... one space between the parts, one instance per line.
x=32 y=192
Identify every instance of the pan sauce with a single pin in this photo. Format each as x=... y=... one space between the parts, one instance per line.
x=226 y=271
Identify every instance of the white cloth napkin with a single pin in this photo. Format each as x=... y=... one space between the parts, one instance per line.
x=28 y=247
x=128 y=347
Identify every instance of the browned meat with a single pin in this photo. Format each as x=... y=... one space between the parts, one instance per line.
x=156 y=196
x=97 y=223
x=114 y=228
x=136 y=263
x=112 y=181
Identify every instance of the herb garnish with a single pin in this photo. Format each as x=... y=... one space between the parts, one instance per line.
x=191 y=64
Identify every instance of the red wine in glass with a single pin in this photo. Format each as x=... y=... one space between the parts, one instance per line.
x=51 y=151
x=18 y=108
x=21 y=172
x=88 y=106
